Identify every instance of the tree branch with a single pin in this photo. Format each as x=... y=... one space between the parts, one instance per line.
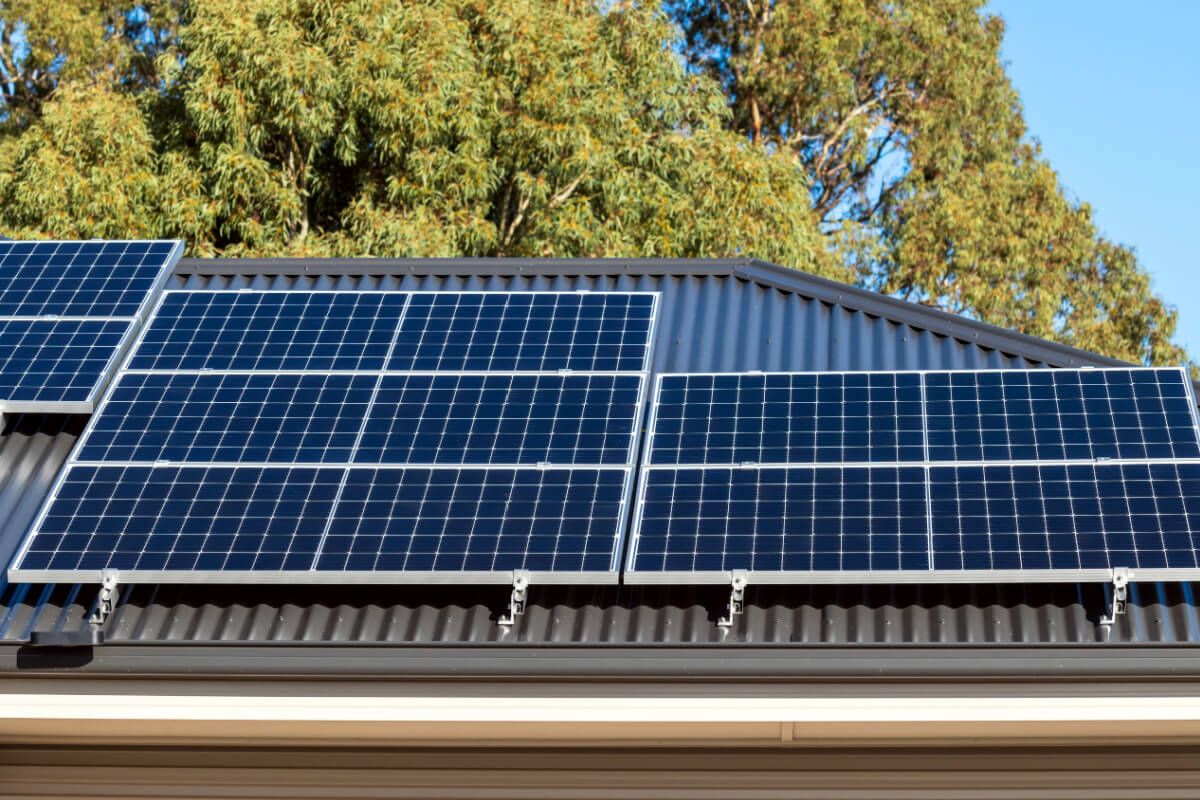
x=565 y=194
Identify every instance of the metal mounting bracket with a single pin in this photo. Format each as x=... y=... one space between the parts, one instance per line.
x=93 y=633
x=516 y=603
x=737 y=600
x=1120 y=595
x=107 y=600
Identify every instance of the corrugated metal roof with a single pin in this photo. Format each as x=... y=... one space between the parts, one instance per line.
x=828 y=615
x=721 y=315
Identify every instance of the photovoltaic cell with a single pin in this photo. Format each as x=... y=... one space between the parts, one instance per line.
x=80 y=279
x=797 y=519
x=270 y=331
x=215 y=417
x=781 y=418
x=44 y=361
x=184 y=518
x=476 y=520
x=586 y=332
x=1059 y=414
x=1076 y=516
x=502 y=419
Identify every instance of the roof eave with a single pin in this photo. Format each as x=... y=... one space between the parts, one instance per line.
x=1031 y=663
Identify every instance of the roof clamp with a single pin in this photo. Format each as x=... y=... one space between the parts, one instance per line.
x=93 y=633
x=516 y=603
x=107 y=599
x=1120 y=595
x=737 y=599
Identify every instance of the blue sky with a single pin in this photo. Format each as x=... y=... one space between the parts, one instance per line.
x=1110 y=91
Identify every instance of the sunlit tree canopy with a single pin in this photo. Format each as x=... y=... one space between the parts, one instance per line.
x=870 y=141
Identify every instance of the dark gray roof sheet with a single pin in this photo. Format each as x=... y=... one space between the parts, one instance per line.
x=716 y=315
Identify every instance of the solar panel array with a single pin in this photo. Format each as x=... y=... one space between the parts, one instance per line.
x=67 y=310
x=385 y=436
x=885 y=476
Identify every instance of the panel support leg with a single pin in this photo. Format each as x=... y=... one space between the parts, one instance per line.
x=737 y=600
x=107 y=599
x=516 y=603
x=1120 y=595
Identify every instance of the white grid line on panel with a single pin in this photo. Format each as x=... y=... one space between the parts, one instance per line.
x=358 y=438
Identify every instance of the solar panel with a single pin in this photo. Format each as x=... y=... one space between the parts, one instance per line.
x=157 y=522
x=146 y=519
x=501 y=331
x=413 y=419
x=57 y=365
x=502 y=419
x=82 y=279
x=873 y=477
x=1066 y=516
x=796 y=519
x=67 y=312
x=220 y=417
x=270 y=331
x=1045 y=415
x=236 y=412
x=788 y=418
x=477 y=521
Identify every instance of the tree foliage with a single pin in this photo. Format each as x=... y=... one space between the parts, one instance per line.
x=921 y=172
x=867 y=140
x=456 y=127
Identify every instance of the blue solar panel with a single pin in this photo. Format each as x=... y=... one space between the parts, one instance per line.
x=437 y=475
x=586 y=332
x=64 y=361
x=178 y=519
x=81 y=279
x=66 y=309
x=476 y=520
x=1047 y=472
x=794 y=519
x=1066 y=516
x=1059 y=414
x=414 y=419
x=782 y=418
x=270 y=331
x=215 y=417
x=184 y=518
x=502 y=419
